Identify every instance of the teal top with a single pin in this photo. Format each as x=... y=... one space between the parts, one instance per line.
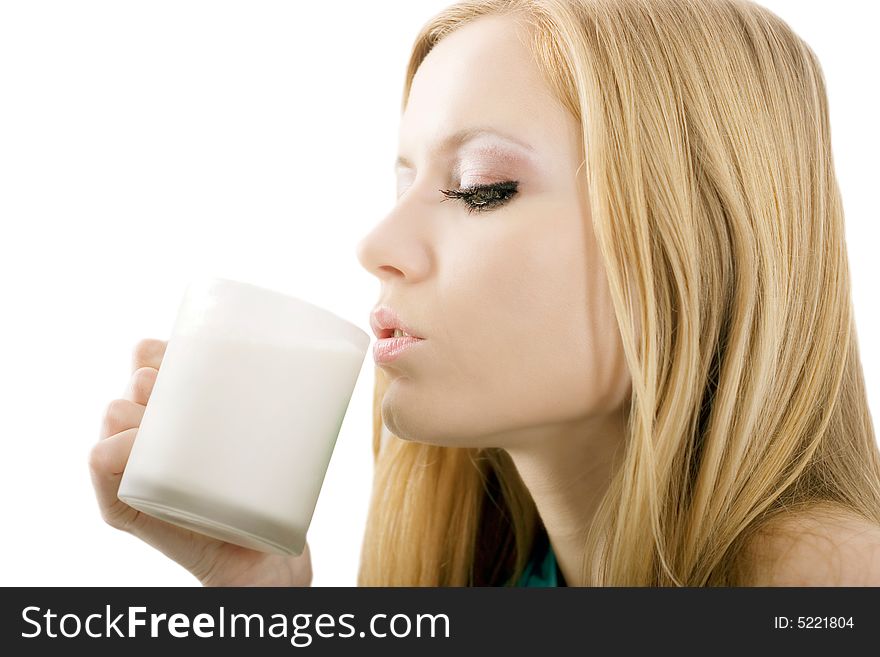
x=542 y=569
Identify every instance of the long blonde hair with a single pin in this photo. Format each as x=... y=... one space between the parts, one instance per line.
x=718 y=216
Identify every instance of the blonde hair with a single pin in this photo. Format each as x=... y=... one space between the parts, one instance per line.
x=718 y=216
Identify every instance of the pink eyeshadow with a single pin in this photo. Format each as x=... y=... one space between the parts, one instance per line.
x=490 y=161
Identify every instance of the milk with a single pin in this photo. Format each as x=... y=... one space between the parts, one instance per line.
x=241 y=424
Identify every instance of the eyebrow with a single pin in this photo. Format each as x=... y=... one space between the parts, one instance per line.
x=461 y=137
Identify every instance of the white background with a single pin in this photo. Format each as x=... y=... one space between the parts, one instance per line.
x=144 y=143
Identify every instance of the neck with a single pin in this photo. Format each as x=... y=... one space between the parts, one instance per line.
x=568 y=470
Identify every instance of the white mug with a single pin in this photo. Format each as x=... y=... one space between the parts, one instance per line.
x=244 y=415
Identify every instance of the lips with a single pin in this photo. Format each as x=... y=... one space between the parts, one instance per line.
x=389 y=349
x=385 y=320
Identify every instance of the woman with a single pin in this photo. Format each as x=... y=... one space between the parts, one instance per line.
x=619 y=235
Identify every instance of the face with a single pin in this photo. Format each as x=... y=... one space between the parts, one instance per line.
x=506 y=286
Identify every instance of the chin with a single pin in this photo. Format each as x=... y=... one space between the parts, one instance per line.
x=408 y=422
x=417 y=415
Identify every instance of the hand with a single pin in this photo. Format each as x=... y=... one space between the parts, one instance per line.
x=211 y=561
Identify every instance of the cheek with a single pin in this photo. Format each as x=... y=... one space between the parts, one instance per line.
x=497 y=295
x=528 y=338
x=535 y=339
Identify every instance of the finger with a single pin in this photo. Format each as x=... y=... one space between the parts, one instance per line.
x=121 y=414
x=148 y=353
x=141 y=384
x=107 y=463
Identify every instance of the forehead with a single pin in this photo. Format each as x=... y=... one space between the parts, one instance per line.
x=481 y=77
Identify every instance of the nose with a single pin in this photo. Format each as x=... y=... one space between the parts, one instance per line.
x=361 y=252
x=368 y=254
x=396 y=248
x=377 y=261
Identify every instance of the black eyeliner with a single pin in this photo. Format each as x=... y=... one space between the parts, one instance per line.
x=502 y=192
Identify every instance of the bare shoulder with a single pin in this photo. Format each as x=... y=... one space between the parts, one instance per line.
x=822 y=547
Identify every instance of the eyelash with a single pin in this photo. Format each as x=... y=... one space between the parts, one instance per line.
x=500 y=193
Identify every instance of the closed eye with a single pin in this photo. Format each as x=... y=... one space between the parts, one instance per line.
x=482 y=198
